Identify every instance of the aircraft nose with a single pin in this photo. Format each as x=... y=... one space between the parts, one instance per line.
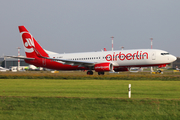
x=173 y=58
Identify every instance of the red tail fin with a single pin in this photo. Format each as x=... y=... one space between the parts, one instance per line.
x=31 y=46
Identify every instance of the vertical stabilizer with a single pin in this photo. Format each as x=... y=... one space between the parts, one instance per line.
x=31 y=46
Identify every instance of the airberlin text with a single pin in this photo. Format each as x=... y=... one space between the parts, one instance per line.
x=129 y=56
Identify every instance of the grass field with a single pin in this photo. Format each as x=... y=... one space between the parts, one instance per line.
x=79 y=75
x=89 y=88
x=88 y=99
x=52 y=108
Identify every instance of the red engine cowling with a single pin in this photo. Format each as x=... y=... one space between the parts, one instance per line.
x=102 y=67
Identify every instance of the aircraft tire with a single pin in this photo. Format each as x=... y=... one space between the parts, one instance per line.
x=89 y=72
x=100 y=73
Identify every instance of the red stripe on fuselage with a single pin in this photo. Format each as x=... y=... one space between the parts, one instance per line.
x=50 y=64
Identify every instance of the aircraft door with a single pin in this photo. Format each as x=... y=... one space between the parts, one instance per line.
x=153 y=55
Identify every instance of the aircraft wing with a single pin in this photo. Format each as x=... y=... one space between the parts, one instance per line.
x=21 y=57
x=65 y=61
x=72 y=62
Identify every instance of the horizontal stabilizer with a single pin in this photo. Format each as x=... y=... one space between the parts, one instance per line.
x=21 y=57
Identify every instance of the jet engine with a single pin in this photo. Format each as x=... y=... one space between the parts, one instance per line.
x=103 y=67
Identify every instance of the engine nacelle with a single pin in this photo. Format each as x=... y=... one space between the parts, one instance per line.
x=103 y=67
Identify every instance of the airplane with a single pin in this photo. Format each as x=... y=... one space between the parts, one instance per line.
x=103 y=61
x=3 y=69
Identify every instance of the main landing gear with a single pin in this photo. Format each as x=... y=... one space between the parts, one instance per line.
x=100 y=73
x=90 y=72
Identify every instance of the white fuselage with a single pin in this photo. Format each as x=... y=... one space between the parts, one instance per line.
x=126 y=58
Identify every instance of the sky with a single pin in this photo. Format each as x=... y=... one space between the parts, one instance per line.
x=69 y=26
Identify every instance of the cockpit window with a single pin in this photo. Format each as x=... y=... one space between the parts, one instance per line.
x=164 y=53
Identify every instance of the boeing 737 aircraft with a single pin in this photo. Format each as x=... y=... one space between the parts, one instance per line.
x=104 y=61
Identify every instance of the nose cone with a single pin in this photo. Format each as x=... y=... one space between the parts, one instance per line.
x=173 y=58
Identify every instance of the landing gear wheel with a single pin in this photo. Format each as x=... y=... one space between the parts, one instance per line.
x=159 y=71
x=89 y=72
x=100 y=73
